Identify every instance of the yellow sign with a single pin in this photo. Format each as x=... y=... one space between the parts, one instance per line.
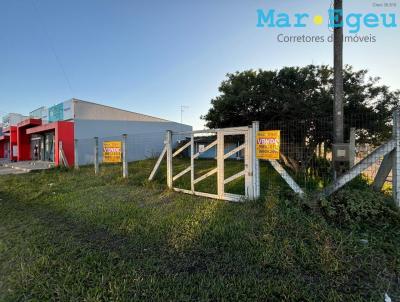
x=268 y=144
x=112 y=152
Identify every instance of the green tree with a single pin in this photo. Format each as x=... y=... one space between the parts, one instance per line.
x=299 y=101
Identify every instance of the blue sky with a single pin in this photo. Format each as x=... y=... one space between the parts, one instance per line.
x=153 y=56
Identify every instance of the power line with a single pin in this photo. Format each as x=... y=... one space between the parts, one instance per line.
x=51 y=46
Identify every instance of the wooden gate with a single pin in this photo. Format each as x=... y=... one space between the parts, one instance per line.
x=250 y=171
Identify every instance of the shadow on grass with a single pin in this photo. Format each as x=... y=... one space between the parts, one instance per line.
x=106 y=238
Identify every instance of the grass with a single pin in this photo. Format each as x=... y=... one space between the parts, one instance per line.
x=71 y=236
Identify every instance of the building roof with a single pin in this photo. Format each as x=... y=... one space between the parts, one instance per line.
x=91 y=110
x=86 y=110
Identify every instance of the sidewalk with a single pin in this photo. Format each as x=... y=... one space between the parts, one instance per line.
x=7 y=171
x=27 y=166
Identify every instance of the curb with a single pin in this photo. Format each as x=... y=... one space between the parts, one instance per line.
x=16 y=168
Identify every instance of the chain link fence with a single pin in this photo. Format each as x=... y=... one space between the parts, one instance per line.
x=307 y=148
x=306 y=153
x=139 y=146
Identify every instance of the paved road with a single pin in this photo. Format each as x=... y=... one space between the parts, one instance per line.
x=7 y=171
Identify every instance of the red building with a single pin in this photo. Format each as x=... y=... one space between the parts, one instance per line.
x=49 y=132
x=53 y=135
x=8 y=143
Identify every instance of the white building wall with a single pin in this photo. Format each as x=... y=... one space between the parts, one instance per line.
x=12 y=119
x=145 y=139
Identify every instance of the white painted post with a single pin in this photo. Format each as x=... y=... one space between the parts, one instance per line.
x=396 y=158
x=359 y=167
x=76 y=159
x=352 y=147
x=383 y=171
x=124 y=156
x=96 y=155
x=192 y=163
x=255 y=160
x=60 y=154
x=286 y=177
x=248 y=180
x=220 y=164
x=169 y=158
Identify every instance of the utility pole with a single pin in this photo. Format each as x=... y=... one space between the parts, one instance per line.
x=338 y=114
x=338 y=72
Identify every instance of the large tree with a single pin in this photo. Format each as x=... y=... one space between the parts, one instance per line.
x=302 y=94
x=299 y=101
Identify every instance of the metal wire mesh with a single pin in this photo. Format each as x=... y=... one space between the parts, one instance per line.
x=85 y=151
x=139 y=146
x=307 y=146
x=306 y=152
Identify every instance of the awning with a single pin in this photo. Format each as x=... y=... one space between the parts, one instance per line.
x=30 y=122
x=42 y=128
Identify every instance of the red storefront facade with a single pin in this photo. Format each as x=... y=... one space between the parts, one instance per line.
x=40 y=135
x=8 y=143
x=61 y=132
x=30 y=138
x=23 y=139
x=4 y=146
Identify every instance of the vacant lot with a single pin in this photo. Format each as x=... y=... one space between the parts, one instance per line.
x=71 y=236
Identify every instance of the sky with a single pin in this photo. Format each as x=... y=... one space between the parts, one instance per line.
x=152 y=57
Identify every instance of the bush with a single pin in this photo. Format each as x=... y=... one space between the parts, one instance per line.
x=359 y=206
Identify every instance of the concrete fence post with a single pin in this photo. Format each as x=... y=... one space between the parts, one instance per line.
x=396 y=158
x=76 y=159
x=352 y=147
x=96 y=155
x=248 y=163
x=124 y=156
x=169 y=158
x=220 y=164
x=60 y=153
x=255 y=161
x=192 y=162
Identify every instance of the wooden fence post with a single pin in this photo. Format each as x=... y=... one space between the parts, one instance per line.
x=124 y=156
x=96 y=155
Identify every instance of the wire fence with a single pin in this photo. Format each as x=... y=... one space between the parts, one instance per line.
x=139 y=146
x=306 y=152
x=307 y=147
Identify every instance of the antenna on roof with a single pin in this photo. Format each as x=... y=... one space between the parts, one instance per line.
x=183 y=107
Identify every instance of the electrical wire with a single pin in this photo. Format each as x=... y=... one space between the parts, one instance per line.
x=51 y=46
